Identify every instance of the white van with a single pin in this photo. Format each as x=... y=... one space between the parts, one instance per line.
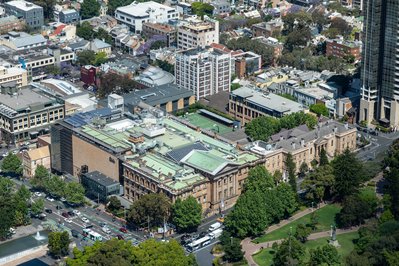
x=214 y=226
x=216 y=233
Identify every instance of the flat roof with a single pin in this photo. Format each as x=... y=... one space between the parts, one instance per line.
x=101 y=178
x=24 y=98
x=267 y=100
x=140 y=9
x=316 y=92
x=23 y=5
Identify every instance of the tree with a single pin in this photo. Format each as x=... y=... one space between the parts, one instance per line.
x=11 y=164
x=303 y=169
x=323 y=157
x=37 y=207
x=347 y=170
x=102 y=34
x=152 y=209
x=320 y=109
x=85 y=31
x=259 y=179
x=21 y=201
x=114 y=205
x=115 y=83
x=119 y=252
x=324 y=255
x=341 y=26
x=53 y=70
x=202 y=9
x=290 y=252
x=48 y=6
x=314 y=220
x=100 y=58
x=75 y=193
x=288 y=199
x=354 y=211
x=7 y=208
x=40 y=178
x=277 y=177
x=302 y=232
x=291 y=169
x=89 y=9
x=58 y=244
x=186 y=214
x=54 y=185
x=157 y=44
x=166 y=66
x=319 y=184
x=256 y=46
x=86 y=57
x=231 y=247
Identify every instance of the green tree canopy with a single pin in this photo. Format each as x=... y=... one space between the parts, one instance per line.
x=100 y=58
x=319 y=109
x=7 y=208
x=40 y=178
x=186 y=214
x=247 y=44
x=114 y=204
x=86 y=57
x=291 y=169
x=302 y=232
x=259 y=179
x=290 y=252
x=231 y=247
x=89 y=9
x=123 y=253
x=21 y=204
x=54 y=185
x=48 y=6
x=75 y=193
x=12 y=164
x=202 y=9
x=153 y=208
x=323 y=157
x=347 y=170
x=319 y=184
x=324 y=255
x=37 y=206
x=58 y=244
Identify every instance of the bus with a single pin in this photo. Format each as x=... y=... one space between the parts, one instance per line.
x=216 y=233
x=199 y=243
x=92 y=235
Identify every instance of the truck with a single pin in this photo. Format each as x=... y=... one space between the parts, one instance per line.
x=214 y=226
x=216 y=233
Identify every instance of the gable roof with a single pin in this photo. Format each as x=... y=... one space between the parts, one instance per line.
x=39 y=153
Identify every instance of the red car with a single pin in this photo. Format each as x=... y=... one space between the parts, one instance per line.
x=65 y=214
x=123 y=229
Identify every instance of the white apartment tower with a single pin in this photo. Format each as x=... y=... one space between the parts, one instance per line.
x=203 y=71
x=198 y=33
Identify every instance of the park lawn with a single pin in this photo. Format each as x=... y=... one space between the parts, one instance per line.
x=265 y=257
x=326 y=219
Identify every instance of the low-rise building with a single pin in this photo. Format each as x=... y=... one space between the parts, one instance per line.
x=99 y=46
x=35 y=157
x=60 y=32
x=13 y=74
x=197 y=33
x=158 y=29
x=11 y=23
x=248 y=103
x=31 y=13
x=221 y=7
x=32 y=158
x=99 y=186
x=343 y=49
x=267 y=29
x=135 y=14
x=69 y=16
x=22 y=41
x=154 y=76
x=246 y=63
x=274 y=44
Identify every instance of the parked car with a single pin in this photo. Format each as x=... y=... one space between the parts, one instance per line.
x=84 y=219
x=123 y=230
x=38 y=194
x=202 y=234
x=12 y=230
x=65 y=214
x=48 y=210
x=102 y=224
x=62 y=199
x=42 y=216
x=50 y=199
x=106 y=230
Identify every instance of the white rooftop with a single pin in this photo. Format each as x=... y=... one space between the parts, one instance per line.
x=65 y=87
x=141 y=9
x=122 y=125
x=23 y=5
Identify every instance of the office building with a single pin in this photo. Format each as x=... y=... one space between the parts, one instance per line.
x=31 y=13
x=135 y=14
x=13 y=74
x=99 y=186
x=203 y=71
x=68 y=16
x=198 y=33
x=247 y=103
x=379 y=71
x=27 y=112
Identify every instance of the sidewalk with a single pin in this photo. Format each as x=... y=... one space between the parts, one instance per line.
x=250 y=248
x=36 y=254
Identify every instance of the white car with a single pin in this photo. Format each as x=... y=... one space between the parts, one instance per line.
x=12 y=230
x=62 y=199
x=106 y=230
x=50 y=199
x=38 y=194
x=68 y=220
x=84 y=219
x=76 y=212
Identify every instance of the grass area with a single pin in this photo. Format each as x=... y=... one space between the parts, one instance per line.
x=265 y=257
x=326 y=218
x=207 y=123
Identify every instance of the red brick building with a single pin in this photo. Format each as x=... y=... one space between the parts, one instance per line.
x=341 y=48
x=88 y=75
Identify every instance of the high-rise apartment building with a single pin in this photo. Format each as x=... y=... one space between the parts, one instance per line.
x=198 y=33
x=380 y=62
x=203 y=71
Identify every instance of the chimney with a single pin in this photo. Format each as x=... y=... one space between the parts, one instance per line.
x=293 y=145
x=281 y=138
x=335 y=129
x=302 y=143
x=346 y=126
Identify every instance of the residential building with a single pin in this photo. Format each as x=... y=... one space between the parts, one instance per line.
x=135 y=14
x=98 y=46
x=203 y=71
x=69 y=16
x=88 y=74
x=272 y=43
x=22 y=41
x=31 y=159
x=168 y=98
x=343 y=49
x=99 y=186
x=27 y=112
x=221 y=7
x=158 y=29
x=13 y=74
x=60 y=32
x=379 y=72
x=31 y=13
x=11 y=23
x=198 y=34
x=246 y=63
x=184 y=8
x=105 y=22
x=248 y=103
x=125 y=40
x=267 y=29
x=35 y=61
